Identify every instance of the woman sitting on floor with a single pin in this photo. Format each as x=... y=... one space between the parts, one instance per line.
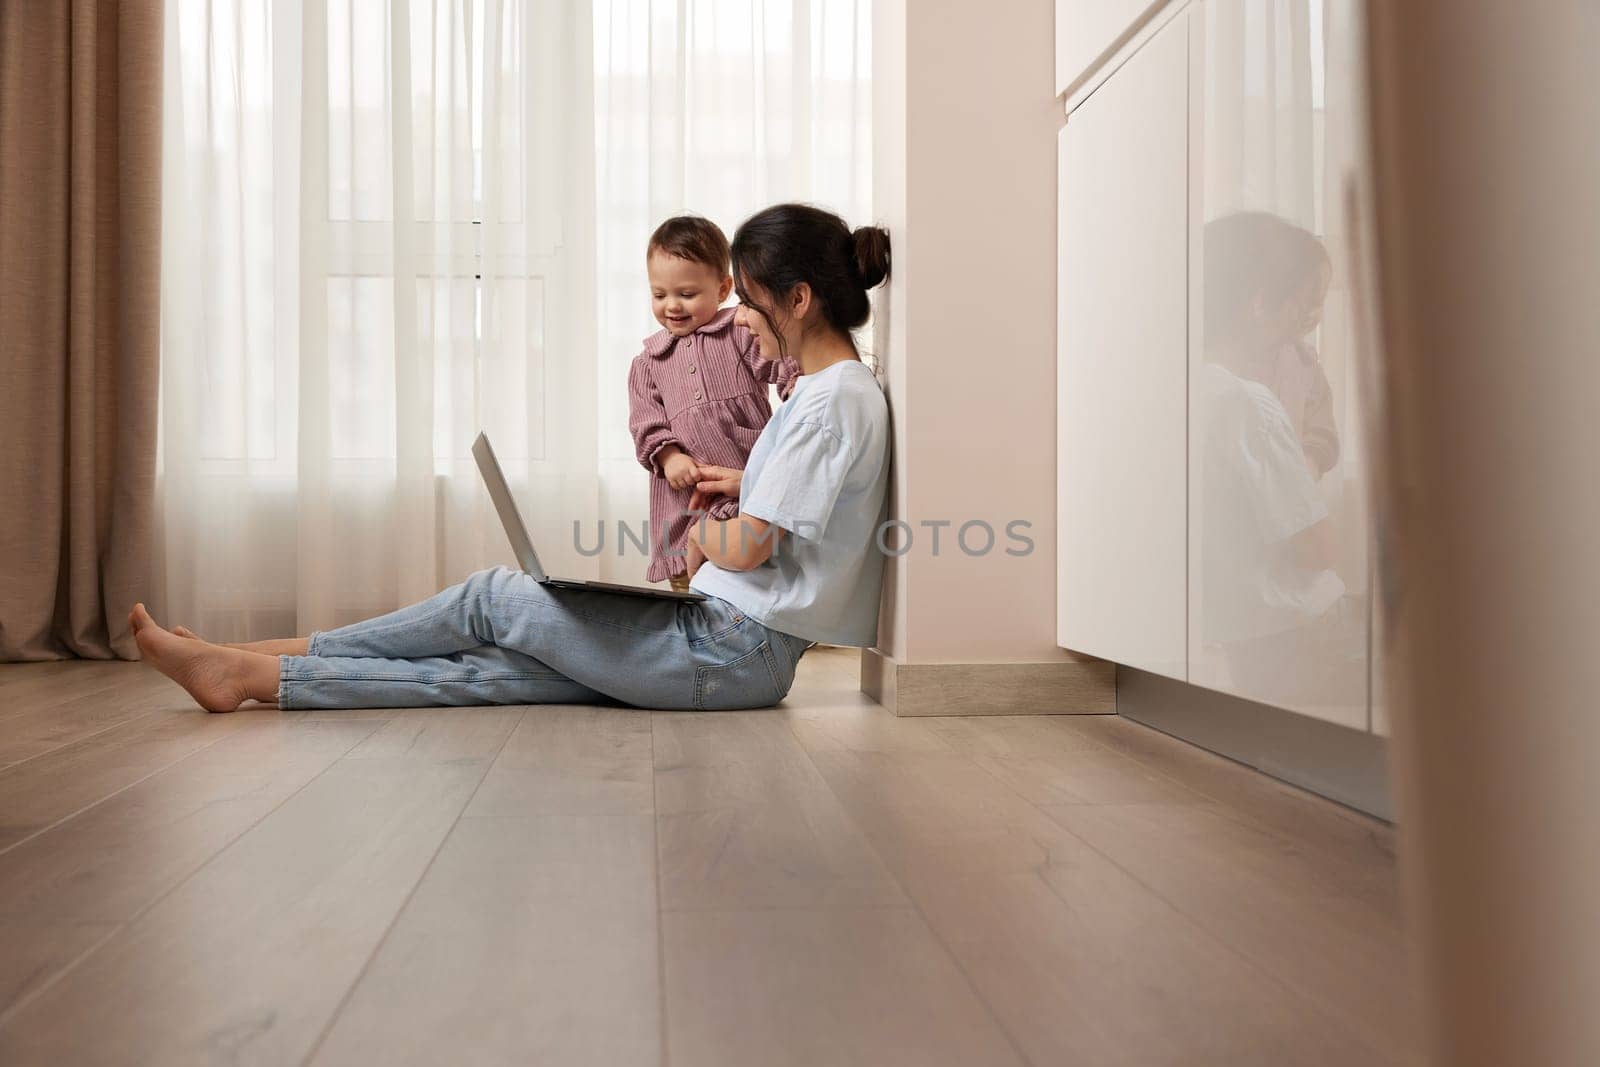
x=798 y=564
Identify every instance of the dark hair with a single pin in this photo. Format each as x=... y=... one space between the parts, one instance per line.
x=782 y=246
x=693 y=238
x=1252 y=255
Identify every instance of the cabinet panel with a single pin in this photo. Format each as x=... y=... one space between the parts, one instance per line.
x=1086 y=28
x=1122 y=336
x=1278 y=595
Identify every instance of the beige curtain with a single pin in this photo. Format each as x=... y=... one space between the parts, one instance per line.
x=80 y=151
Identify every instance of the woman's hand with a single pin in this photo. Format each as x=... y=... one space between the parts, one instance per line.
x=696 y=555
x=724 y=480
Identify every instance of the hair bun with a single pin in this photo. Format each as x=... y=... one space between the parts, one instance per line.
x=871 y=255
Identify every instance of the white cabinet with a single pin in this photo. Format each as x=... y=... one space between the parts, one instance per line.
x=1085 y=29
x=1121 y=367
x=1212 y=488
x=1278 y=482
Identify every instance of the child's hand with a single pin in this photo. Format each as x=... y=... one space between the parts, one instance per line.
x=680 y=470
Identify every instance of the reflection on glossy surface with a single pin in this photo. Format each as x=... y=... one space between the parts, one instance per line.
x=1278 y=586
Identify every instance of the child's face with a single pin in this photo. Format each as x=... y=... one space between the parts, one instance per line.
x=684 y=295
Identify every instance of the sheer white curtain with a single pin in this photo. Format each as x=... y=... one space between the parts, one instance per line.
x=380 y=235
x=1281 y=88
x=720 y=108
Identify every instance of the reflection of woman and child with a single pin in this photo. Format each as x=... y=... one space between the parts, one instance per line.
x=1272 y=604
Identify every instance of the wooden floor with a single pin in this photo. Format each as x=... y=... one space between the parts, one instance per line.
x=817 y=884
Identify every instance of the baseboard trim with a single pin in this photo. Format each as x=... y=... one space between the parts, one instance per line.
x=1077 y=686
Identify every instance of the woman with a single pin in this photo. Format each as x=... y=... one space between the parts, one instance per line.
x=798 y=564
x=1276 y=619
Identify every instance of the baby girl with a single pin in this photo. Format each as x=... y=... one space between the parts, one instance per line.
x=698 y=392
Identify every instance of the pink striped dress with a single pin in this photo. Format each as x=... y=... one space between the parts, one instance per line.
x=707 y=394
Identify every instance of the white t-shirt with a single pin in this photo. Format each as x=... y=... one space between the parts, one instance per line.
x=1256 y=495
x=820 y=471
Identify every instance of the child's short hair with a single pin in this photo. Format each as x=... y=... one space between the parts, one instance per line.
x=693 y=238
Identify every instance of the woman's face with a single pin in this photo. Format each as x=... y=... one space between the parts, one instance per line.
x=752 y=302
x=1301 y=313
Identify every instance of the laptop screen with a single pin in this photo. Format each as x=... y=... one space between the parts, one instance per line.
x=494 y=480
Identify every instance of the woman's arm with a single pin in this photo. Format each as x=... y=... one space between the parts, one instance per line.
x=740 y=543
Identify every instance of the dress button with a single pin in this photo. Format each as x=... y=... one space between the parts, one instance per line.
x=697 y=396
x=691 y=368
x=688 y=342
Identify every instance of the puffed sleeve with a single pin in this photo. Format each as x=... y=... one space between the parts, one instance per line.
x=779 y=372
x=647 y=417
x=723 y=507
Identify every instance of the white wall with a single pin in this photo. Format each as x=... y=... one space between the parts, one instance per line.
x=965 y=123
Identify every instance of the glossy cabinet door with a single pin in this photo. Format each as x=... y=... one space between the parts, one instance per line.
x=1122 y=335
x=1085 y=29
x=1279 y=605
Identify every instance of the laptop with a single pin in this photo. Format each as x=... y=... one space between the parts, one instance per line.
x=510 y=518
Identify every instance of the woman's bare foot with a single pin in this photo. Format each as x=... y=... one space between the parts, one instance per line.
x=216 y=677
x=184 y=631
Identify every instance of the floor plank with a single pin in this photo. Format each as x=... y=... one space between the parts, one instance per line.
x=805 y=987
x=1270 y=901
x=1084 y=966
x=745 y=821
x=841 y=718
x=533 y=936
x=39 y=792
x=572 y=761
x=77 y=706
x=440 y=735
x=248 y=959
x=27 y=687
x=1047 y=765
x=1071 y=952
x=817 y=883
x=1353 y=848
x=37 y=950
x=104 y=867
x=530 y=940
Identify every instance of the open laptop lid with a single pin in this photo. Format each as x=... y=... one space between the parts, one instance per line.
x=510 y=518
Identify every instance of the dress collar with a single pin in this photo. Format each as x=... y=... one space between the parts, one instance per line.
x=661 y=343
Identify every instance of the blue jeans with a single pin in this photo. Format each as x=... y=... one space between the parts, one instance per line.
x=502 y=638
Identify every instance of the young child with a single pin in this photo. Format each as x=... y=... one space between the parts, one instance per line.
x=698 y=392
